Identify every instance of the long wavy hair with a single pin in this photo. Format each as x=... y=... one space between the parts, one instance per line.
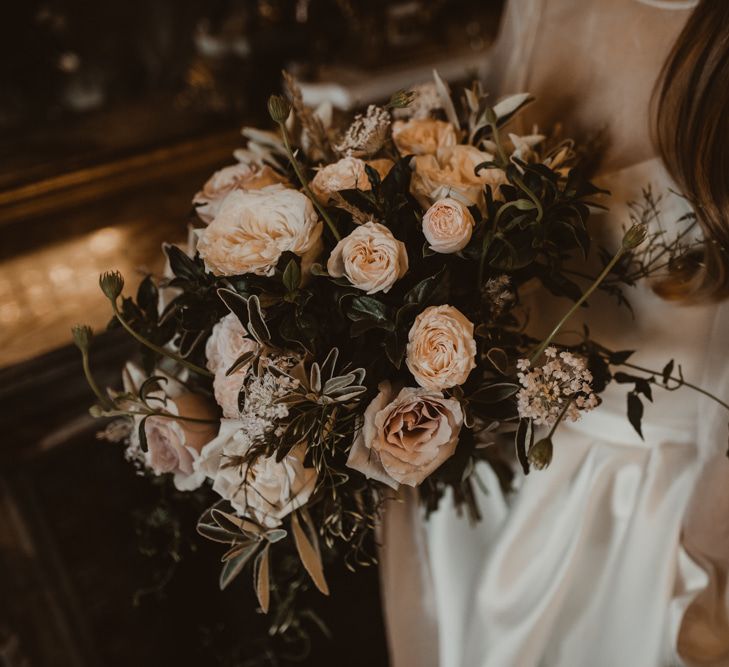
x=691 y=133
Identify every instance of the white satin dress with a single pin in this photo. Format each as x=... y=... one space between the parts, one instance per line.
x=617 y=554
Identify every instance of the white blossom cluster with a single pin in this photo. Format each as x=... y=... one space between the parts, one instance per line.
x=261 y=410
x=563 y=383
x=366 y=134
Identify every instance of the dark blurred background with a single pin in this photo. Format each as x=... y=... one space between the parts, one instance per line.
x=112 y=114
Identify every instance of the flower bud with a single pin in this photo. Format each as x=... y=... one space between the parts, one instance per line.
x=635 y=236
x=82 y=336
x=279 y=108
x=111 y=284
x=401 y=99
x=540 y=455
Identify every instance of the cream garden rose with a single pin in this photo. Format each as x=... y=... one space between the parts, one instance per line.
x=452 y=173
x=406 y=437
x=371 y=258
x=441 y=350
x=448 y=225
x=254 y=228
x=173 y=445
x=227 y=343
x=423 y=136
x=265 y=490
x=346 y=174
x=240 y=176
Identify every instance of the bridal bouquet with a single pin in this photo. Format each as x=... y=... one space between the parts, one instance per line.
x=349 y=318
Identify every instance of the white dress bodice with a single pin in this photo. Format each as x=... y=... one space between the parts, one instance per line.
x=617 y=553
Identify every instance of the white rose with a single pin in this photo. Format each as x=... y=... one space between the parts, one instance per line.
x=405 y=439
x=265 y=490
x=253 y=228
x=240 y=176
x=423 y=137
x=448 y=225
x=227 y=343
x=441 y=350
x=452 y=173
x=371 y=258
x=346 y=174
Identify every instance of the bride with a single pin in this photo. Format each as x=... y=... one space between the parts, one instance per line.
x=618 y=553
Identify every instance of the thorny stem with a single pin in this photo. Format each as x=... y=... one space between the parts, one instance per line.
x=680 y=381
x=156 y=348
x=586 y=295
x=305 y=184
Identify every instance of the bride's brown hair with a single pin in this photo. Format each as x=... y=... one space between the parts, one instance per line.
x=691 y=132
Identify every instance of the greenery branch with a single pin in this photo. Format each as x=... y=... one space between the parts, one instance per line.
x=279 y=109
x=111 y=285
x=632 y=239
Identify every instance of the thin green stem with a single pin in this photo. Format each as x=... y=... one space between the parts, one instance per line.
x=156 y=348
x=532 y=196
x=559 y=419
x=305 y=183
x=499 y=148
x=153 y=413
x=681 y=381
x=103 y=399
x=586 y=295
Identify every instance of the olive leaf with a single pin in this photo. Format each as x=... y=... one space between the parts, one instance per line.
x=261 y=579
x=233 y=567
x=309 y=554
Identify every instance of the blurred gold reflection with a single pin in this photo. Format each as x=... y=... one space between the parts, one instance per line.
x=43 y=293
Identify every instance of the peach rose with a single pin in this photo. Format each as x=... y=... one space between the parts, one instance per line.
x=452 y=173
x=346 y=174
x=371 y=258
x=423 y=136
x=265 y=490
x=254 y=228
x=240 y=176
x=227 y=343
x=448 y=225
x=441 y=350
x=405 y=438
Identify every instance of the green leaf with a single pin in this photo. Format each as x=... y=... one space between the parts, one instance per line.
x=292 y=276
x=143 y=434
x=617 y=358
x=524 y=441
x=309 y=554
x=182 y=266
x=257 y=324
x=635 y=412
x=233 y=567
x=240 y=362
x=499 y=359
x=370 y=310
x=494 y=393
x=445 y=99
x=430 y=290
x=261 y=579
x=236 y=304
